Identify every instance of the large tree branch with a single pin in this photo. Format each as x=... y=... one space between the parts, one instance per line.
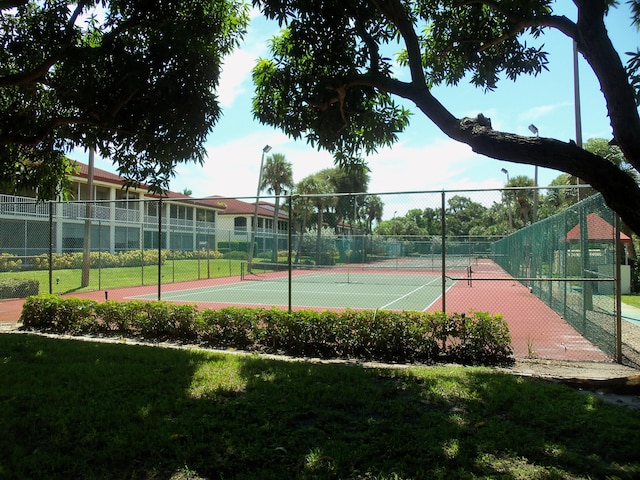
x=597 y=49
x=618 y=188
x=397 y=15
x=6 y=4
x=559 y=22
x=372 y=46
x=33 y=75
x=46 y=130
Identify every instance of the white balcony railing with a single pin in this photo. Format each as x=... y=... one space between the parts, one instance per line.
x=11 y=205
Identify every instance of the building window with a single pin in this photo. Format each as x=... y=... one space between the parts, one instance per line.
x=240 y=224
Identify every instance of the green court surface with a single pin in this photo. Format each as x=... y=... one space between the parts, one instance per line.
x=357 y=291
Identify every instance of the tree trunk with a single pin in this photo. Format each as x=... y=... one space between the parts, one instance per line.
x=319 y=236
x=86 y=245
x=274 y=255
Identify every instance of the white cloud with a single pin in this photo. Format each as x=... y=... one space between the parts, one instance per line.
x=235 y=79
x=541 y=111
x=232 y=168
x=429 y=167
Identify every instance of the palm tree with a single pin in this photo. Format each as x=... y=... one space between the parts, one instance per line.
x=321 y=191
x=302 y=208
x=277 y=176
x=522 y=198
x=352 y=178
x=374 y=208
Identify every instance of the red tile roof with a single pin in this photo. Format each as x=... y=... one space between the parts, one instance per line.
x=238 y=207
x=99 y=174
x=230 y=206
x=115 y=179
x=597 y=229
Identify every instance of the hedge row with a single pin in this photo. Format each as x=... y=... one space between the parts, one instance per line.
x=474 y=338
x=130 y=258
x=18 y=288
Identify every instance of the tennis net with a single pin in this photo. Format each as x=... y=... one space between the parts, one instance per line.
x=391 y=273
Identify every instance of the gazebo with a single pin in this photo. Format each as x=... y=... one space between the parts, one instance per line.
x=601 y=236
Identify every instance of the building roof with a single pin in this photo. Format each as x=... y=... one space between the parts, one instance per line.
x=598 y=229
x=229 y=206
x=99 y=174
x=115 y=179
x=238 y=207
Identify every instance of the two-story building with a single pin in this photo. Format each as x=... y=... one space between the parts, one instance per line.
x=127 y=219
x=237 y=220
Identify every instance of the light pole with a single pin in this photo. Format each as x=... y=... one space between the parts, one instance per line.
x=254 y=230
x=576 y=104
x=506 y=172
x=533 y=129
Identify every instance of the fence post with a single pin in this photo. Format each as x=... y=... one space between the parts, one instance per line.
x=444 y=257
x=618 y=287
x=289 y=248
x=159 y=248
x=51 y=205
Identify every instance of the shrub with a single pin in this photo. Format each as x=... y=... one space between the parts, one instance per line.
x=235 y=255
x=18 y=288
x=52 y=313
x=122 y=317
x=478 y=338
x=9 y=263
x=474 y=338
x=40 y=312
x=229 y=327
x=238 y=245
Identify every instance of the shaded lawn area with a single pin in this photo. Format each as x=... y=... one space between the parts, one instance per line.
x=82 y=409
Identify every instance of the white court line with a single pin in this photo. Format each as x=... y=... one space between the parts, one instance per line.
x=186 y=292
x=244 y=287
x=410 y=293
x=446 y=290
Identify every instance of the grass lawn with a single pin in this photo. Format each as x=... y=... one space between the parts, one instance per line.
x=69 y=280
x=79 y=409
x=633 y=300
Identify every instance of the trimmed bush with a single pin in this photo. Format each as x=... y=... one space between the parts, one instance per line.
x=230 y=327
x=475 y=338
x=235 y=255
x=18 y=288
x=54 y=314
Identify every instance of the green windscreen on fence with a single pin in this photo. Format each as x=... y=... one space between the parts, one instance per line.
x=569 y=261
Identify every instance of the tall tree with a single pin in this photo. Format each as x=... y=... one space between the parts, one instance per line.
x=374 y=208
x=352 y=178
x=303 y=208
x=329 y=78
x=276 y=177
x=521 y=199
x=462 y=214
x=134 y=80
x=320 y=191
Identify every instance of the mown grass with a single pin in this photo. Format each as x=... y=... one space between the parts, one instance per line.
x=633 y=300
x=69 y=280
x=80 y=409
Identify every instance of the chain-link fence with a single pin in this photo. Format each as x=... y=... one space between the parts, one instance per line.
x=503 y=251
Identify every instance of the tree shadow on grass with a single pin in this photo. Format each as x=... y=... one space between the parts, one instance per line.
x=75 y=409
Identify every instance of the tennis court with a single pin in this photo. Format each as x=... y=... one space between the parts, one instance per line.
x=314 y=287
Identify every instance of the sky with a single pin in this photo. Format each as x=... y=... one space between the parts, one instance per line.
x=424 y=159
